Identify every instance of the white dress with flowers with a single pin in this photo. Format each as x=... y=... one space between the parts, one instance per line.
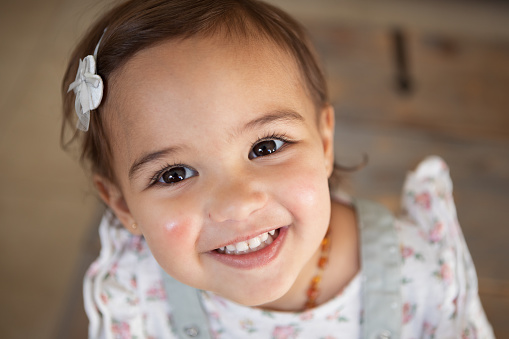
x=125 y=298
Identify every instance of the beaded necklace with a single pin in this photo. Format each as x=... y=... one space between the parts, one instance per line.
x=313 y=290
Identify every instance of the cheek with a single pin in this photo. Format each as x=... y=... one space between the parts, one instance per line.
x=166 y=220
x=170 y=236
x=176 y=229
x=306 y=192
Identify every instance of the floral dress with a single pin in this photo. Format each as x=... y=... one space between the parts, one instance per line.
x=125 y=298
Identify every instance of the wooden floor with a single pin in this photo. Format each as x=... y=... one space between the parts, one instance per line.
x=406 y=82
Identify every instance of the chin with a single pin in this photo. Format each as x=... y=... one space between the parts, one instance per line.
x=260 y=293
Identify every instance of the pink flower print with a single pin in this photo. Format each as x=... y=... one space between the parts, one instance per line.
x=337 y=316
x=247 y=325
x=216 y=334
x=408 y=312
x=333 y=315
x=469 y=333
x=446 y=273
x=214 y=315
x=308 y=315
x=220 y=301
x=406 y=252
x=113 y=269
x=423 y=234
x=94 y=268
x=284 y=332
x=156 y=292
x=134 y=282
x=436 y=233
x=104 y=298
x=135 y=244
x=423 y=200
x=429 y=330
x=121 y=330
x=455 y=312
x=132 y=301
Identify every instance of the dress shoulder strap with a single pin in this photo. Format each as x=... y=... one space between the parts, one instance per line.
x=188 y=316
x=381 y=271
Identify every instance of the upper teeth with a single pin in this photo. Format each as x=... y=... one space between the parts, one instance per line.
x=252 y=243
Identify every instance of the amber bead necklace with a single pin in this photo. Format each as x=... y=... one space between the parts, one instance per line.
x=313 y=290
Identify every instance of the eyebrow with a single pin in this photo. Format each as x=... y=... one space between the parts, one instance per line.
x=271 y=117
x=151 y=157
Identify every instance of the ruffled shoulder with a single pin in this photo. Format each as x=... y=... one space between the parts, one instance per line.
x=123 y=291
x=439 y=279
x=427 y=195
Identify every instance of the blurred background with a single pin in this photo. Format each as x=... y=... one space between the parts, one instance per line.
x=407 y=79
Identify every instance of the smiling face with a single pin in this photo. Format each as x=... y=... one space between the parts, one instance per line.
x=216 y=144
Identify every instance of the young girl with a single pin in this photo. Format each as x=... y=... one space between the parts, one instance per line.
x=210 y=137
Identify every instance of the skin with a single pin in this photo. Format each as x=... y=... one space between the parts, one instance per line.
x=206 y=102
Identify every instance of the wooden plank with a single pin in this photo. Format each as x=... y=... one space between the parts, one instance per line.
x=468 y=18
x=459 y=84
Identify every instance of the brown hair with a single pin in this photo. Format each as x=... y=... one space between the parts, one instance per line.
x=137 y=24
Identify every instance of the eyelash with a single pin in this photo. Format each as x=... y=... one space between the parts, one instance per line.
x=154 y=180
x=273 y=136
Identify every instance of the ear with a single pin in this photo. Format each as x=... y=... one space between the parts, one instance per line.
x=113 y=197
x=327 y=134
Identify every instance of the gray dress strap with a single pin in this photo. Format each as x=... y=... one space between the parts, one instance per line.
x=381 y=271
x=188 y=316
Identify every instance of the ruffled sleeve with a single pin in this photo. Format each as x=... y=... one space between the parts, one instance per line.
x=439 y=284
x=123 y=290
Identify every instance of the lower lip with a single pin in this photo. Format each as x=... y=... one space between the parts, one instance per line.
x=254 y=259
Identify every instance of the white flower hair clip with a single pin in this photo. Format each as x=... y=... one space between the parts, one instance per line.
x=88 y=88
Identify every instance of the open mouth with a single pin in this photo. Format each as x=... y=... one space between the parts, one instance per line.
x=251 y=245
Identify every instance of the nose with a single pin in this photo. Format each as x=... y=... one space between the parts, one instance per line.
x=235 y=199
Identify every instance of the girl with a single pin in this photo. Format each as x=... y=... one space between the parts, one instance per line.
x=210 y=138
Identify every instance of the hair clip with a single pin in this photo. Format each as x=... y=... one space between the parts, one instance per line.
x=88 y=88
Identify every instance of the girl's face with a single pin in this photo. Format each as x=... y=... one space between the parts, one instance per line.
x=216 y=144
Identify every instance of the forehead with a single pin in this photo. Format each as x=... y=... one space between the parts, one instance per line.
x=177 y=89
x=193 y=62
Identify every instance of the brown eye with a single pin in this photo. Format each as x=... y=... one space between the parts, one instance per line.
x=265 y=147
x=176 y=174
